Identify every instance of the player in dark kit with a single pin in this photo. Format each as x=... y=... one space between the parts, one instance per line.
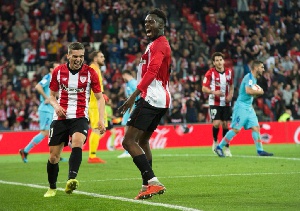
x=155 y=99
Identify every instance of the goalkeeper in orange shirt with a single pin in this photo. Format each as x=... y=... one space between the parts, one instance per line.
x=98 y=59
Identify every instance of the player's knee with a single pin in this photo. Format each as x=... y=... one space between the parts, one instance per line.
x=54 y=158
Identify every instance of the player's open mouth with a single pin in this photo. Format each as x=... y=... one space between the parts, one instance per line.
x=148 y=32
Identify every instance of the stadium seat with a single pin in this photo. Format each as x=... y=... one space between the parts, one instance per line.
x=260 y=103
x=268 y=112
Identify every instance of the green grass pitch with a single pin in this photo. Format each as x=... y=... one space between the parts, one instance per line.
x=195 y=179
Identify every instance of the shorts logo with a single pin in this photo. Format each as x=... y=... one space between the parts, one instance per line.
x=82 y=79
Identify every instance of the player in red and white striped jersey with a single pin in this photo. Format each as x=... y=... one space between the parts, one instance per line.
x=71 y=83
x=155 y=99
x=218 y=83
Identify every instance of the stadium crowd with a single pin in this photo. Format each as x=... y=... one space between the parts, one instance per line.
x=36 y=32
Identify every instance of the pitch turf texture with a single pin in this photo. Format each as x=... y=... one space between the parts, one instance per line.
x=195 y=179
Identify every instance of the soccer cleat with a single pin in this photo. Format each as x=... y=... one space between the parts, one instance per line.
x=227 y=152
x=50 y=193
x=219 y=151
x=214 y=145
x=153 y=188
x=63 y=159
x=144 y=188
x=264 y=153
x=96 y=160
x=71 y=185
x=23 y=155
x=124 y=155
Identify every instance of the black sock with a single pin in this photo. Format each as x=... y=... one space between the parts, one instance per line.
x=143 y=165
x=145 y=181
x=215 y=133
x=52 y=170
x=225 y=130
x=74 y=162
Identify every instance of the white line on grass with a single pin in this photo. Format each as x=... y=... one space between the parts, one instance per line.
x=96 y=195
x=239 y=156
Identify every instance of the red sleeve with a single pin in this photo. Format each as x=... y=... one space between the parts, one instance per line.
x=157 y=55
x=54 y=84
x=207 y=79
x=95 y=83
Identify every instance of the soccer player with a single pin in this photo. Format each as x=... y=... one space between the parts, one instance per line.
x=218 y=83
x=98 y=59
x=45 y=112
x=71 y=83
x=131 y=84
x=243 y=112
x=155 y=99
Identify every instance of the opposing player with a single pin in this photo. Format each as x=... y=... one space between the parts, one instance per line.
x=45 y=112
x=98 y=59
x=243 y=112
x=70 y=86
x=155 y=99
x=131 y=84
x=218 y=83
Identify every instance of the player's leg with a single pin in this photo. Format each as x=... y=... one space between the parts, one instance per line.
x=78 y=128
x=215 y=116
x=254 y=125
x=45 y=119
x=57 y=136
x=94 y=137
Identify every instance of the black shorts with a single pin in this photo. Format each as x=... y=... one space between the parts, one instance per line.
x=145 y=116
x=110 y=125
x=220 y=113
x=61 y=130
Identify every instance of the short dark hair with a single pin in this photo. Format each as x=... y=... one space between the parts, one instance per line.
x=159 y=14
x=214 y=55
x=51 y=64
x=94 y=54
x=256 y=63
x=75 y=46
x=126 y=72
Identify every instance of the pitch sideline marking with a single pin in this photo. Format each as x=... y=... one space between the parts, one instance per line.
x=96 y=195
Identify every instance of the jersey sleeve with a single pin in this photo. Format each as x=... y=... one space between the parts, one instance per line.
x=45 y=81
x=54 y=84
x=157 y=55
x=207 y=79
x=95 y=83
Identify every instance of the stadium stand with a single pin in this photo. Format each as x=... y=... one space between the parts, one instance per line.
x=35 y=32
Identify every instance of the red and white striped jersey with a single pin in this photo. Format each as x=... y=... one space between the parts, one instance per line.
x=154 y=73
x=74 y=89
x=218 y=81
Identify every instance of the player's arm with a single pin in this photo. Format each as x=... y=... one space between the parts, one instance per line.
x=129 y=102
x=101 y=109
x=230 y=94
x=253 y=92
x=60 y=111
x=206 y=89
x=40 y=90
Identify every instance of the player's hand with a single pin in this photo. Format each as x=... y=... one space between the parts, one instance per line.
x=219 y=93
x=229 y=98
x=47 y=101
x=126 y=105
x=60 y=111
x=101 y=127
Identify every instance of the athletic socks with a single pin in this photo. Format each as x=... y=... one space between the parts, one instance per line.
x=215 y=133
x=34 y=141
x=227 y=138
x=94 y=143
x=143 y=165
x=145 y=181
x=74 y=162
x=52 y=170
x=257 y=141
x=225 y=130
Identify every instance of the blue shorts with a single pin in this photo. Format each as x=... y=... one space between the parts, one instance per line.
x=45 y=119
x=243 y=117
